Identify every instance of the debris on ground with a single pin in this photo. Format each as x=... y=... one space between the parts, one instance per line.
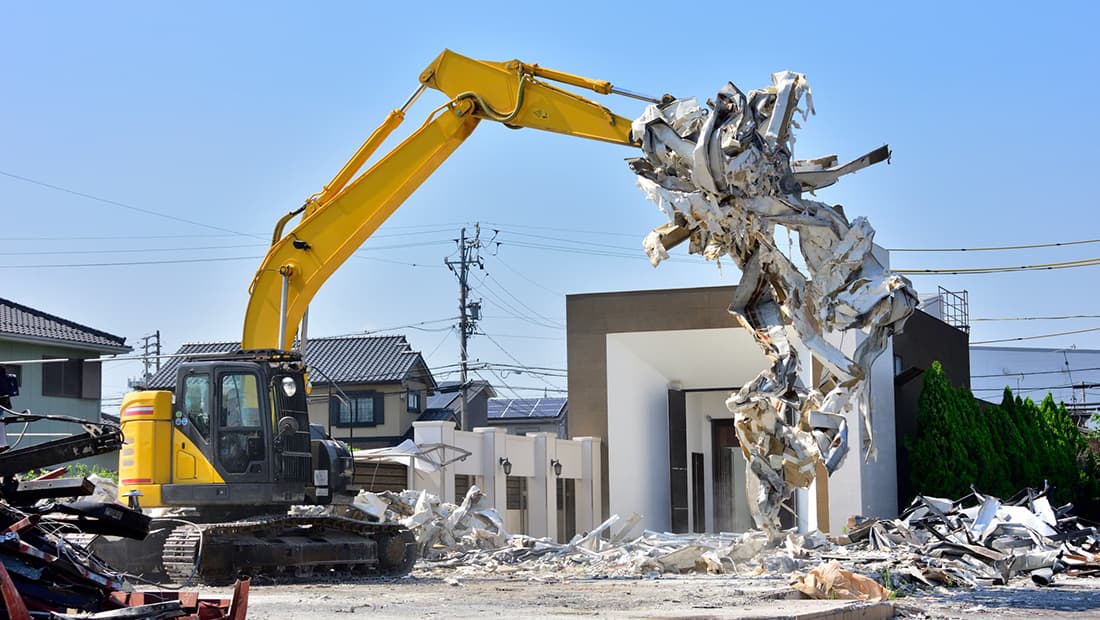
x=981 y=540
x=439 y=526
x=974 y=541
x=830 y=581
x=46 y=569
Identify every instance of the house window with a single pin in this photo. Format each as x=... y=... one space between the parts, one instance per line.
x=17 y=370
x=897 y=365
x=412 y=401
x=63 y=379
x=356 y=409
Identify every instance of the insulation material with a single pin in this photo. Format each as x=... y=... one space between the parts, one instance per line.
x=723 y=175
x=830 y=581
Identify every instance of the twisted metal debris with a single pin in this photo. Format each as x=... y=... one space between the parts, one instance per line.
x=977 y=540
x=724 y=177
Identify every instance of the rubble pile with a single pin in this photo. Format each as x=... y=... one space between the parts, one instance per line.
x=46 y=572
x=472 y=538
x=973 y=541
x=981 y=540
x=440 y=527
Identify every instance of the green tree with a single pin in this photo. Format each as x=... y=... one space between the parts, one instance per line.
x=1009 y=447
x=992 y=471
x=940 y=463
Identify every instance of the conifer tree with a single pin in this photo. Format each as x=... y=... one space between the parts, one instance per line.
x=939 y=460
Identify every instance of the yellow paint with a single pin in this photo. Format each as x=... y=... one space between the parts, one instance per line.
x=192 y=466
x=151 y=448
x=342 y=216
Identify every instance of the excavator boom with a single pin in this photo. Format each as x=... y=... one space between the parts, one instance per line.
x=350 y=208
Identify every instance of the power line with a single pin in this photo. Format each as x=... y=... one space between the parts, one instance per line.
x=489 y=275
x=1032 y=372
x=1078 y=331
x=520 y=274
x=189 y=260
x=521 y=364
x=508 y=307
x=525 y=337
x=209 y=247
x=368 y=332
x=129 y=263
x=997 y=248
x=124 y=205
x=501 y=226
x=1041 y=318
x=1085 y=262
x=435 y=228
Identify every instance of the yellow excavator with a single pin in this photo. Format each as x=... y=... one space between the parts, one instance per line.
x=231 y=446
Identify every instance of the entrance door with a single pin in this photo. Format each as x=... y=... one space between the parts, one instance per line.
x=731 y=508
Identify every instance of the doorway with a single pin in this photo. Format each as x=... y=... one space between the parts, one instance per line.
x=731 y=508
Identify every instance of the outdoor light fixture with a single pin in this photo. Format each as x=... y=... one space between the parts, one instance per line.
x=556 y=464
x=506 y=465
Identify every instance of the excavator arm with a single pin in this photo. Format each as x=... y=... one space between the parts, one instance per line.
x=336 y=221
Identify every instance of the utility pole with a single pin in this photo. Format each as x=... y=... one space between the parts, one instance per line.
x=150 y=357
x=469 y=312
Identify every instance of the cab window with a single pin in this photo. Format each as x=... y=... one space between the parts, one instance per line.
x=196 y=402
x=240 y=401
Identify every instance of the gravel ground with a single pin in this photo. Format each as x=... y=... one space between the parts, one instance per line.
x=426 y=594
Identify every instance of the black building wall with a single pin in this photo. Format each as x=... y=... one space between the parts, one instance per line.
x=925 y=339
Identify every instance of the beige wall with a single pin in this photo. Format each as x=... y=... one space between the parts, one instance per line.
x=589 y=318
x=397 y=417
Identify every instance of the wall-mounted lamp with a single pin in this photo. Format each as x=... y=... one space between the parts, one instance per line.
x=506 y=465
x=556 y=464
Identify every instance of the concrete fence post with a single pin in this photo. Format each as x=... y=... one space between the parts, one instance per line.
x=427 y=434
x=538 y=508
x=491 y=480
x=589 y=488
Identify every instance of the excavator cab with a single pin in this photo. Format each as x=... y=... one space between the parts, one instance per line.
x=234 y=434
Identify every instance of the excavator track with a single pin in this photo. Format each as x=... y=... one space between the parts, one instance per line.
x=295 y=545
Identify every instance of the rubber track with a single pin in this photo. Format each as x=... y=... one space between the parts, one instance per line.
x=182 y=546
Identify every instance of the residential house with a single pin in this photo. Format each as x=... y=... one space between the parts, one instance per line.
x=649 y=374
x=446 y=404
x=366 y=390
x=520 y=416
x=72 y=386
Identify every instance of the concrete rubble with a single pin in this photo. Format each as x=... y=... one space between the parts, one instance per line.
x=724 y=176
x=975 y=541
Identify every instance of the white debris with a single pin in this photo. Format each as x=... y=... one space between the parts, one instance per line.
x=724 y=177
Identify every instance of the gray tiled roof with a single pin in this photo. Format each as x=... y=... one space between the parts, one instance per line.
x=24 y=322
x=344 y=360
x=526 y=408
x=438 y=415
x=448 y=394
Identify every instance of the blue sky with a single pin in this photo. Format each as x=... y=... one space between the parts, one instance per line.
x=230 y=114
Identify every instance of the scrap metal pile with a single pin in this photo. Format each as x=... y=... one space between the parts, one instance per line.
x=977 y=540
x=724 y=176
x=45 y=570
x=981 y=540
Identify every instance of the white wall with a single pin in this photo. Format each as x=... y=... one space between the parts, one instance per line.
x=880 y=475
x=861 y=486
x=637 y=437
